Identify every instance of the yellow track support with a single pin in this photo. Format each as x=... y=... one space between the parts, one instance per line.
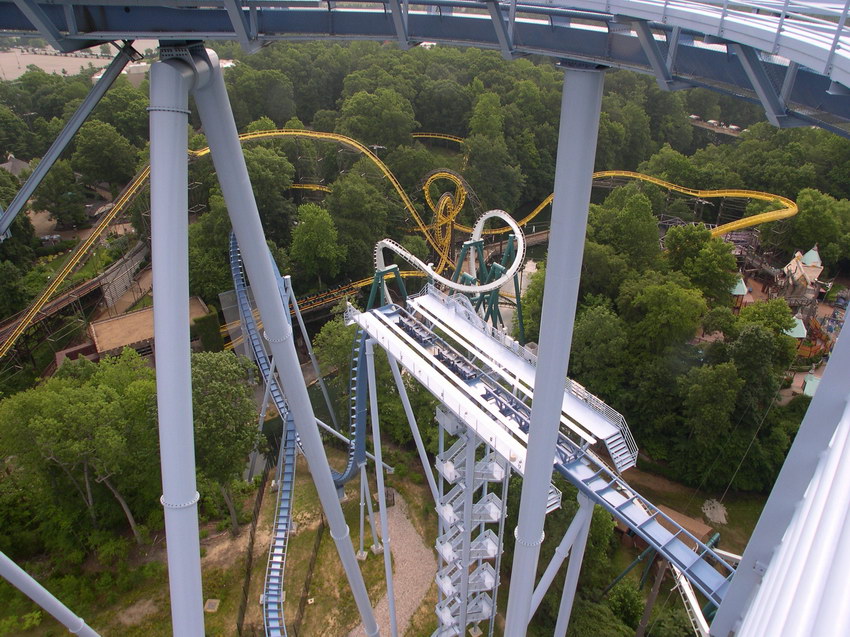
x=788 y=209
x=441 y=250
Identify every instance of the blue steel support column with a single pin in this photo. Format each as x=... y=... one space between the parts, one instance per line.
x=169 y=121
x=220 y=128
x=580 y=106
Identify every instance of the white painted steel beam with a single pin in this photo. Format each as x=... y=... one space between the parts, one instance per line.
x=125 y=54
x=171 y=81
x=573 y=569
x=791 y=513
x=399 y=13
x=25 y=583
x=774 y=107
x=504 y=33
x=457 y=397
x=656 y=59
x=382 y=490
x=241 y=27
x=216 y=114
x=585 y=511
x=577 y=135
x=414 y=428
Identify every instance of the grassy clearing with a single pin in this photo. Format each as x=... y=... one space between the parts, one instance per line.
x=424 y=621
x=333 y=611
x=743 y=509
x=145 y=301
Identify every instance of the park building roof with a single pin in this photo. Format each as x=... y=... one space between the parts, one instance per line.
x=799 y=329
x=739 y=289
x=134 y=329
x=804 y=269
x=14 y=165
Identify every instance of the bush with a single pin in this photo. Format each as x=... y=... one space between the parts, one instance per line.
x=627 y=602
x=206 y=328
x=62 y=246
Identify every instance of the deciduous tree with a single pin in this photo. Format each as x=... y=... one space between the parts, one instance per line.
x=315 y=249
x=225 y=419
x=103 y=154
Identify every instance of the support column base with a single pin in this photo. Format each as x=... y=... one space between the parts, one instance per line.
x=377 y=549
x=361 y=555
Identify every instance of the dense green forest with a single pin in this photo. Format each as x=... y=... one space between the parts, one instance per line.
x=72 y=486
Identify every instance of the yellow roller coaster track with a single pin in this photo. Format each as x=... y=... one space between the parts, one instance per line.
x=127 y=196
x=364 y=150
x=788 y=208
x=436 y=234
x=450 y=138
x=319 y=187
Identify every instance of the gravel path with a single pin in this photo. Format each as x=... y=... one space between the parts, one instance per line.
x=414 y=568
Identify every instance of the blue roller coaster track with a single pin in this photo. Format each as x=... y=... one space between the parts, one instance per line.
x=273 y=593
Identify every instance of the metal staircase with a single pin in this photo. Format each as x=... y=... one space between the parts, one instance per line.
x=466 y=578
x=274 y=596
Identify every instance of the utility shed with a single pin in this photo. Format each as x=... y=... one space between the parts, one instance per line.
x=134 y=329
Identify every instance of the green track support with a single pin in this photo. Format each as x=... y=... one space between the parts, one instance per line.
x=376 y=292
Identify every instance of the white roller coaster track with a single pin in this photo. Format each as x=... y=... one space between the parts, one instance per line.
x=477 y=233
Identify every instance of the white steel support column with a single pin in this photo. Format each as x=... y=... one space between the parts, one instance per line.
x=171 y=81
x=468 y=495
x=585 y=510
x=573 y=570
x=319 y=378
x=375 y=548
x=414 y=428
x=361 y=554
x=579 y=126
x=382 y=492
x=219 y=126
x=19 y=578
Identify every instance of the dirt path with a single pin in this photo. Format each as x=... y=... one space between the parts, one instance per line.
x=414 y=568
x=638 y=479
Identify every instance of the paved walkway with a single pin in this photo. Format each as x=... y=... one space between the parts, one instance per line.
x=414 y=568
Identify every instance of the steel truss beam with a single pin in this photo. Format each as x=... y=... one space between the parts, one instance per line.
x=399 y=10
x=563 y=33
x=504 y=30
x=661 y=66
x=773 y=103
x=247 y=37
x=44 y=25
x=125 y=54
